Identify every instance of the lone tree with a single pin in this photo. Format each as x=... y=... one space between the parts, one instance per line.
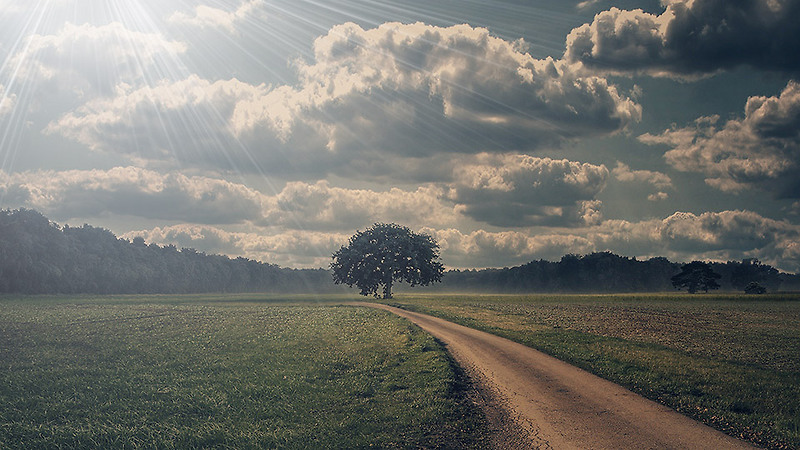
x=383 y=254
x=755 y=289
x=696 y=275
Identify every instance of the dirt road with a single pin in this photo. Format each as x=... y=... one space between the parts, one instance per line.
x=555 y=405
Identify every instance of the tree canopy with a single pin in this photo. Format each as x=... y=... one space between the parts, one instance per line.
x=384 y=253
x=695 y=276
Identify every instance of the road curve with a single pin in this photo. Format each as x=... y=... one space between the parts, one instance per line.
x=560 y=406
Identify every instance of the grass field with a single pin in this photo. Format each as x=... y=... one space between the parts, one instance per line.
x=730 y=361
x=223 y=372
x=242 y=371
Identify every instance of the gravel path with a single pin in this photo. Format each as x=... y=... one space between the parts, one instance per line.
x=552 y=404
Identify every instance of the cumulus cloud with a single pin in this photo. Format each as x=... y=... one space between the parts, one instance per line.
x=291 y=248
x=396 y=91
x=185 y=121
x=138 y=192
x=733 y=234
x=719 y=236
x=623 y=172
x=658 y=180
x=432 y=83
x=94 y=58
x=521 y=190
x=683 y=236
x=132 y=191
x=492 y=249
x=762 y=150
x=691 y=38
x=209 y=17
x=321 y=206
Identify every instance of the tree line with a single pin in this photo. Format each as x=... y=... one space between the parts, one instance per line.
x=39 y=257
x=606 y=272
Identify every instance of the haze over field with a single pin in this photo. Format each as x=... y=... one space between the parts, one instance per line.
x=510 y=131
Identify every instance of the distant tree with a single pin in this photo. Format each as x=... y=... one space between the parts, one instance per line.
x=755 y=288
x=695 y=276
x=383 y=254
x=751 y=271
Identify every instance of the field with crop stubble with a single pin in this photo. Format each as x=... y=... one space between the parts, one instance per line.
x=730 y=361
x=223 y=371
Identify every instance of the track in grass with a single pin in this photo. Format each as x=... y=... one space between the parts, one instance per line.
x=561 y=406
x=730 y=361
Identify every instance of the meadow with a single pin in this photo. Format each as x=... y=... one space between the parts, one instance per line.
x=223 y=372
x=730 y=361
x=256 y=371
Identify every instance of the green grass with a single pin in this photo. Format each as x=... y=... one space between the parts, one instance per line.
x=730 y=361
x=223 y=372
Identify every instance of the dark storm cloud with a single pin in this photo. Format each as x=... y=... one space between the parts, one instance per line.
x=692 y=38
x=761 y=150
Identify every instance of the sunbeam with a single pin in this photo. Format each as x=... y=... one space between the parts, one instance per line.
x=511 y=130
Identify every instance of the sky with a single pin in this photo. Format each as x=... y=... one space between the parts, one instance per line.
x=509 y=130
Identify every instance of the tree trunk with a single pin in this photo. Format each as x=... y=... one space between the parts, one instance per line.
x=387 y=289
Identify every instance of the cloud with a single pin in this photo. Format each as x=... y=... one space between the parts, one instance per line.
x=320 y=206
x=732 y=235
x=691 y=38
x=658 y=180
x=762 y=150
x=433 y=83
x=144 y=193
x=584 y=5
x=494 y=249
x=521 y=190
x=624 y=173
x=515 y=190
x=132 y=191
x=683 y=236
x=718 y=236
x=295 y=248
x=7 y=102
x=369 y=98
x=290 y=248
x=185 y=120
x=208 y=17
x=94 y=58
